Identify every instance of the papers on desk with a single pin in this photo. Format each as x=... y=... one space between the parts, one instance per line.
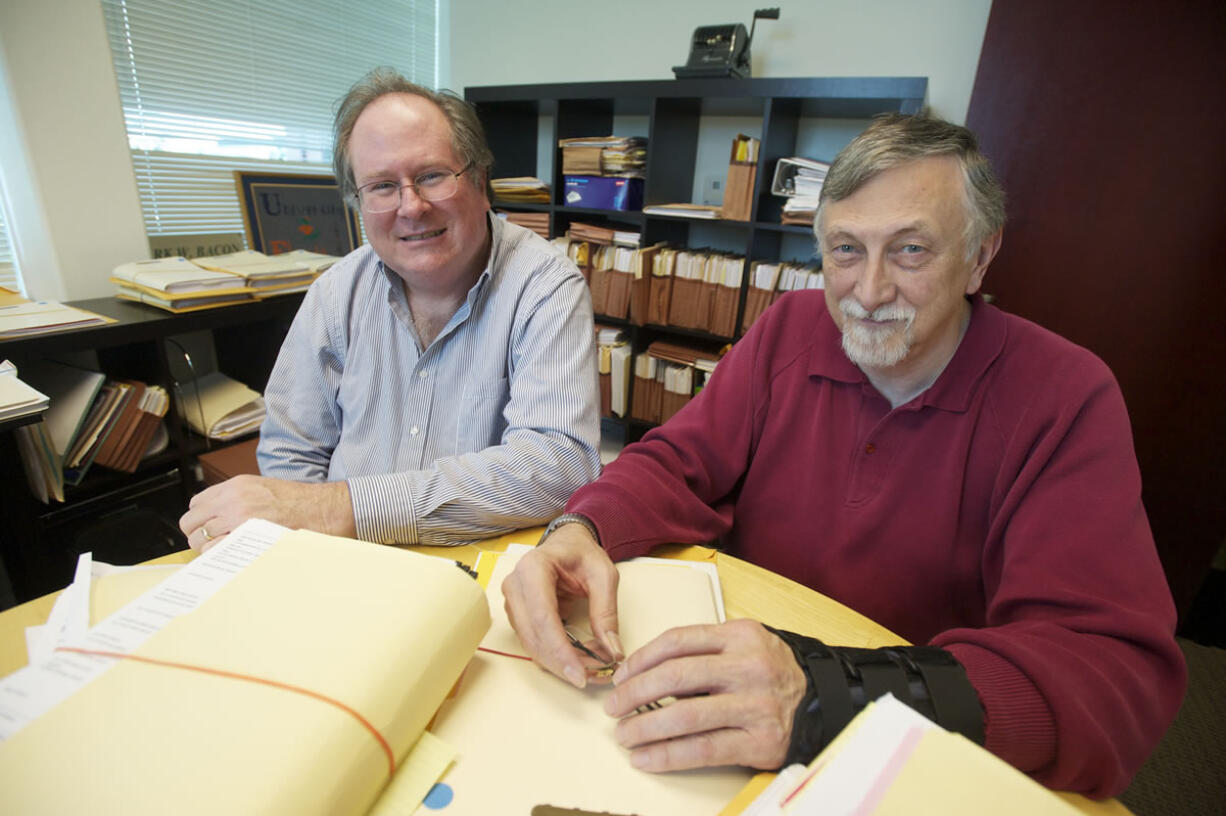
x=97 y=590
x=570 y=757
x=891 y=761
x=383 y=631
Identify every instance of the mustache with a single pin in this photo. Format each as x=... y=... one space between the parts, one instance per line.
x=851 y=307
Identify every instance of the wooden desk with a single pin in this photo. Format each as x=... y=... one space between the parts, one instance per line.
x=749 y=592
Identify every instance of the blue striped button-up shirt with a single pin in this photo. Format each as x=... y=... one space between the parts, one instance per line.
x=489 y=429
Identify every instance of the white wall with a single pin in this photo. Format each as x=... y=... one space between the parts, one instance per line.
x=68 y=174
x=528 y=41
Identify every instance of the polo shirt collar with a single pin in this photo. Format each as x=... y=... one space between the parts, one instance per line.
x=981 y=345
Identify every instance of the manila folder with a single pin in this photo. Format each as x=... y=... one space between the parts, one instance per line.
x=384 y=631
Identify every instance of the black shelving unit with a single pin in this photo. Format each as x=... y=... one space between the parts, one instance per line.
x=121 y=517
x=675 y=109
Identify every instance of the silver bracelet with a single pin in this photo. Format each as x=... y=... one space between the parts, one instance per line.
x=569 y=518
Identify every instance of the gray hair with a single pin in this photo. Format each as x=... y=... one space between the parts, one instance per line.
x=467 y=136
x=893 y=139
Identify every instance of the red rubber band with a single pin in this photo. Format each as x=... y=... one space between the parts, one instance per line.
x=504 y=654
x=387 y=749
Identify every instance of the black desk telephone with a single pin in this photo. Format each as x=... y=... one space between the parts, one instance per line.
x=722 y=50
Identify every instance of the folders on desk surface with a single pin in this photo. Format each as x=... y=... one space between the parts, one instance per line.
x=891 y=761
x=383 y=631
x=527 y=738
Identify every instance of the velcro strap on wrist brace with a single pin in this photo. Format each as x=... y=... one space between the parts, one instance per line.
x=840 y=681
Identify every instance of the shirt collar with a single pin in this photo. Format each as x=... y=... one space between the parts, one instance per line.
x=981 y=345
x=394 y=283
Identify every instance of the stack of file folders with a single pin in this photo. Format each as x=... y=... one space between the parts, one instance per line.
x=667 y=377
x=706 y=290
x=892 y=761
x=579 y=231
x=620 y=279
x=537 y=222
x=219 y=407
x=770 y=279
x=521 y=189
x=624 y=156
x=90 y=419
x=316 y=704
x=181 y=285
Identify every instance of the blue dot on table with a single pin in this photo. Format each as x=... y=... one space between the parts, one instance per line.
x=439 y=797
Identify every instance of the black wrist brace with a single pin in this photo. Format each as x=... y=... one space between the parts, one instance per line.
x=840 y=681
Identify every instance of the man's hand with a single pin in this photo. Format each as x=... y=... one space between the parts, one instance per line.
x=751 y=687
x=569 y=565
x=324 y=508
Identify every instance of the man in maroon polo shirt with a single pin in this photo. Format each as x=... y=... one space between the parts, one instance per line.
x=960 y=475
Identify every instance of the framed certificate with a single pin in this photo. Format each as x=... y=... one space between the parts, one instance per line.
x=283 y=212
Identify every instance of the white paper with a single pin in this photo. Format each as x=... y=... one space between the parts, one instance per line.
x=28 y=693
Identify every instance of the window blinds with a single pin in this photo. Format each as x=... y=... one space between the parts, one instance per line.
x=209 y=88
x=9 y=278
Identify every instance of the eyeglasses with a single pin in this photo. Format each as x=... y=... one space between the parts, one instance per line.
x=433 y=185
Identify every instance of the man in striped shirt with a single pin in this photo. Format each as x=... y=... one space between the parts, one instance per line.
x=438 y=385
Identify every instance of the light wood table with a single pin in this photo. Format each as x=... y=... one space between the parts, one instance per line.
x=749 y=592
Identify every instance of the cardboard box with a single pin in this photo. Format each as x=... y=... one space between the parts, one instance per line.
x=603 y=192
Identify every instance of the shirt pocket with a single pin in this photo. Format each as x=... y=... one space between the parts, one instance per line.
x=481 y=421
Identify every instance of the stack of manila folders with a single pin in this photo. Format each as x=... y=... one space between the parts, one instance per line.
x=219 y=407
x=292 y=672
x=892 y=761
x=181 y=285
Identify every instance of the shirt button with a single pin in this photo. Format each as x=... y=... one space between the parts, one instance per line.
x=870 y=448
x=421 y=375
x=413 y=431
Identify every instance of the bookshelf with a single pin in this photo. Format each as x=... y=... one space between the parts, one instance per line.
x=686 y=121
x=122 y=517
